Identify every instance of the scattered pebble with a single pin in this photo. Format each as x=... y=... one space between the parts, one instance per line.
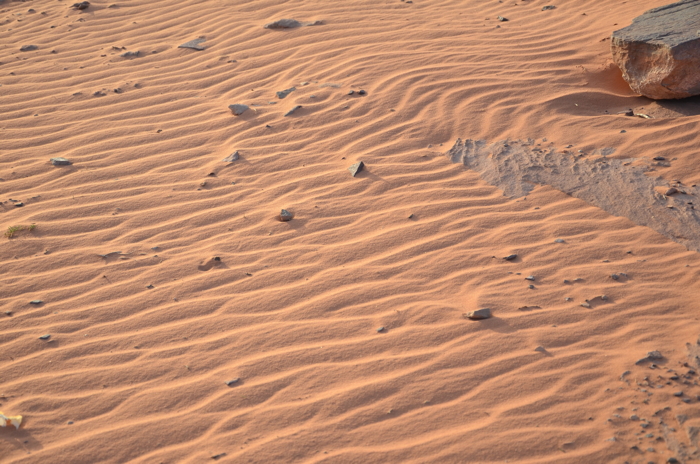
x=36 y=302
x=81 y=5
x=356 y=168
x=130 y=54
x=548 y=7
x=634 y=417
x=530 y=278
x=380 y=329
x=678 y=393
x=238 y=109
x=286 y=215
x=290 y=112
x=283 y=24
x=541 y=349
x=362 y=92
x=232 y=157
x=45 y=337
x=501 y=18
x=59 y=161
x=283 y=93
x=510 y=257
x=28 y=48
x=559 y=240
x=232 y=382
x=194 y=44
x=479 y=314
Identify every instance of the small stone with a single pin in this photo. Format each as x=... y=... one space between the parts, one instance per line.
x=501 y=18
x=532 y=278
x=81 y=5
x=623 y=131
x=130 y=54
x=45 y=337
x=150 y=286
x=290 y=112
x=622 y=377
x=36 y=302
x=678 y=393
x=671 y=191
x=59 y=161
x=283 y=93
x=232 y=157
x=634 y=417
x=28 y=48
x=70 y=422
x=559 y=240
x=531 y=286
x=283 y=24
x=586 y=304
x=659 y=158
x=479 y=314
x=548 y=7
x=238 y=109
x=615 y=277
x=380 y=329
x=194 y=44
x=362 y=92
x=510 y=257
x=19 y=204
x=232 y=382
x=651 y=356
x=286 y=216
x=672 y=461
x=541 y=349
x=356 y=168
x=352 y=92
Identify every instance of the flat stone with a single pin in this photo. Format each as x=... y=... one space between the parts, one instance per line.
x=510 y=257
x=659 y=53
x=651 y=356
x=541 y=349
x=60 y=161
x=232 y=157
x=28 y=48
x=130 y=54
x=671 y=191
x=479 y=314
x=81 y=5
x=238 y=109
x=356 y=168
x=283 y=24
x=380 y=329
x=36 y=302
x=193 y=44
x=283 y=93
x=548 y=7
x=290 y=112
x=532 y=278
x=230 y=383
x=45 y=337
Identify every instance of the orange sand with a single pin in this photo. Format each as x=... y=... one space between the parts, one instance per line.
x=137 y=374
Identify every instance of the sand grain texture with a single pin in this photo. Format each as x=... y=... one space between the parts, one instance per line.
x=147 y=329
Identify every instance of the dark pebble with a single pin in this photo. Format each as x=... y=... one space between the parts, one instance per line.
x=510 y=257
x=232 y=382
x=45 y=337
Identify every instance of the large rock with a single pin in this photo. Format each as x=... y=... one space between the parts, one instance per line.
x=659 y=53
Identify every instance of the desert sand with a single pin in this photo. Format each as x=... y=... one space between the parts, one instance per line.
x=160 y=353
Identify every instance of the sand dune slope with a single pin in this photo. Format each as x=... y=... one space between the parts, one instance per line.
x=188 y=324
